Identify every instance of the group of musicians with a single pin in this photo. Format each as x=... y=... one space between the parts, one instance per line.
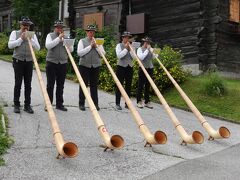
x=89 y=63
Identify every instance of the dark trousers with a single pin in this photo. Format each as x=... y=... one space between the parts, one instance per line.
x=56 y=72
x=22 y=70
x=143 y=83
x=90 y=76
x=124 y=74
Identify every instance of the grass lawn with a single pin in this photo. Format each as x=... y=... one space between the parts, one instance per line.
x=5 y=140
x=226 y=107
x=6 y=57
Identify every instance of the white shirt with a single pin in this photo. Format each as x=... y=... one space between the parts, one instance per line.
x=142 y=55
x=49 y=44
x=121 y=53
x=14 y=42
x=81 y=51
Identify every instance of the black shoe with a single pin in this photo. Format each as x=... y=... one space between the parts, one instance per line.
x=126 y=106
x=97 y=107
x=118 y=107
x=82 y=107
x=28 y=109
x=16 y=109
x=62 y=108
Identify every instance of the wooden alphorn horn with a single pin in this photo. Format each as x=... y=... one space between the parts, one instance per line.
x=159 y=137
x=64 y=149
x=114 y=142
x=223 y=132
x=196 y=137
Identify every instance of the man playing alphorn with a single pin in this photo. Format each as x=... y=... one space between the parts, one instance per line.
x=22 y=63
x=89 y=64
x=146 y=55
x=56 y=67
x=124 y=70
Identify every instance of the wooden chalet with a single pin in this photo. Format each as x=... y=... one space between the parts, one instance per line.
x=206 y=31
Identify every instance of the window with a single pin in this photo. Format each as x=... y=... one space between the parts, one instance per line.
x=234 y=11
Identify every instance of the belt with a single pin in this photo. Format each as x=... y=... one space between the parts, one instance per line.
x=24 y=60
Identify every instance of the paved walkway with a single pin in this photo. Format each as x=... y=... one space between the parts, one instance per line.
x=221 y=165
x=33 y=156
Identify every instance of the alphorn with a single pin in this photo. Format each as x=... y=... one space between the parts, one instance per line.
x=159 y=137
x=223 y=132
x=196 y=137
x=65 y=149
x=114 y=142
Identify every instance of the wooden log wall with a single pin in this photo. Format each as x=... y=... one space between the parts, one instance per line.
x=173 y=22
x=5 y=12
x=111 y=8
x=124 y=13
x=207 y=35
x=72 y=17
x=228 y=38
x=199 y=28
x=5 y=5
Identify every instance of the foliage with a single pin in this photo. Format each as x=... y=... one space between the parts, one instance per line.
x=214 y=85
x=4 y=44
x=106 y=81
x=5 y=140
x=171 y=59
x=41 y=55
x=6 y=57
x=42 y=12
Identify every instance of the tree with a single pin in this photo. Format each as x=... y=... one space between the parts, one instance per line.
x=42 y=12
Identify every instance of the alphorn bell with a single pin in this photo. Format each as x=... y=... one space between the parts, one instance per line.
x=114 y=142
x=223 y=132
x=64 y=149
x=196 y=137
x=159 y=137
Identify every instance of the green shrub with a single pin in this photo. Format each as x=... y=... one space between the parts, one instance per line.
x=5 y=140
x=4 y=44
x=41 y=55
x=106 y=81
x=171 y=59
x=214 y=85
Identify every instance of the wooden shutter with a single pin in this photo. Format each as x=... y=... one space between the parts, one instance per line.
x=234 y=10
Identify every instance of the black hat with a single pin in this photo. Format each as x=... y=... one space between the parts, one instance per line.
x=25 y=20
x=147 y=39
x=58 y=23
x=91 y=27
x=126 y=34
